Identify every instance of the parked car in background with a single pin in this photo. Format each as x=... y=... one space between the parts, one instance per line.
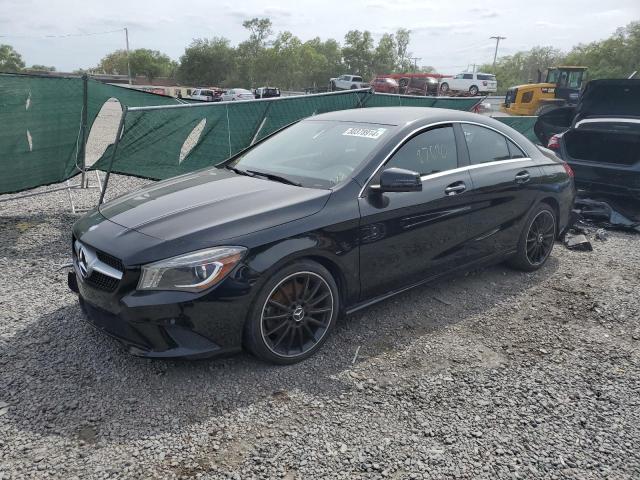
x=266 y=92
x=237 y=94
x=474 y=83
x=600 y=137
x=206 y=94
x=327 y=216
x=385 y=85
x=347 y=82
x=420 y=86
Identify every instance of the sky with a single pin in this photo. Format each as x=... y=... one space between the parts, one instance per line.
x=447 y=35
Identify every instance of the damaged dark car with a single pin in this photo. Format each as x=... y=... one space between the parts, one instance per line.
x=327 y=216
x=600 y=137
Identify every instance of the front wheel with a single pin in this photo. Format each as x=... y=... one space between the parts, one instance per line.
x=293 y=314
x=536 y=239
x=473 y=90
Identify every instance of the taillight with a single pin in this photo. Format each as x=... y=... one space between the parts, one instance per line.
x=554 y=143
x=568 y=169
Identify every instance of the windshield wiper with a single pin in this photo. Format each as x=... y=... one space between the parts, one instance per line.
x=272 y=176
x=239 y=171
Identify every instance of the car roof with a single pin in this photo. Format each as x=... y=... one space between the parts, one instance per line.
x=399 y=116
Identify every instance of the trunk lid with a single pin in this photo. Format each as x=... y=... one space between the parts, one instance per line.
x=609 y=98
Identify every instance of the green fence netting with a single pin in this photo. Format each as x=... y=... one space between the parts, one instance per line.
x=40 y=125
x=160 y=143
x=41 y=133
x=524 y=125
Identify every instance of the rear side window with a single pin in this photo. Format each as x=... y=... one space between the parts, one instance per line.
x=484 y=76
x=485 y=145
x=514 y=150
x=429 y=152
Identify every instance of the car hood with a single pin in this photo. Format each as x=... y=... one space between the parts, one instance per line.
x=612 y=98
x=214 y=204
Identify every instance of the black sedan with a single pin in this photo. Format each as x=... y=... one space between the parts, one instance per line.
x=323 y=218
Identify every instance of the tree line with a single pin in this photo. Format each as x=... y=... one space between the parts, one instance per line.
x=615 y=57
x=285 y=61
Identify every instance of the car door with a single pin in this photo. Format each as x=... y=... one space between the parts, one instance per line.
x=408 y=236
x=505 y=187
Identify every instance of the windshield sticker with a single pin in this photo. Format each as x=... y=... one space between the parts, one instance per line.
x=373 y=133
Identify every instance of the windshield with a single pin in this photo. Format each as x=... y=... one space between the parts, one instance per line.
x=315 y=153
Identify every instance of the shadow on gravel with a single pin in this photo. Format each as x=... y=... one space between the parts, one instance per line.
x=62 y=377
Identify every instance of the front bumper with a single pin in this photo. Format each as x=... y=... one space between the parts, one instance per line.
x=166 y=324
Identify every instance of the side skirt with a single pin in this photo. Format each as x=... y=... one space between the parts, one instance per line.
x=486 y=261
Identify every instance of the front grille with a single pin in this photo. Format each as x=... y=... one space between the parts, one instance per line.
x=110 y=260
x=103 y=282
x=97 y=279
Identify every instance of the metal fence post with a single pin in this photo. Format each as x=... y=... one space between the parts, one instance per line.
x=113 y=155
x=83 y=128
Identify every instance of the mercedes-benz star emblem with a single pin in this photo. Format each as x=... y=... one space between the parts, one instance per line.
x=83 y=264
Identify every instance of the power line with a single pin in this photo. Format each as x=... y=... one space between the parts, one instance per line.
x=65 y=35
x=497 y=39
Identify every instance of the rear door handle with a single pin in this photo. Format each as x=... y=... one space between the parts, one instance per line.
x=455 y=188
x=523 y=177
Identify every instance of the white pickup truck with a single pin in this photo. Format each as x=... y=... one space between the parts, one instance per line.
x=347 y=82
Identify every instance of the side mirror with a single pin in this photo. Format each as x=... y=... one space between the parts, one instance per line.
x=398 y=180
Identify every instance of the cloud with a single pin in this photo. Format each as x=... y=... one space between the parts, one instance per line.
x=276 y=12
x=545 y=24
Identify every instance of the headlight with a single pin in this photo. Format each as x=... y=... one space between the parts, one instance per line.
x=191 y=272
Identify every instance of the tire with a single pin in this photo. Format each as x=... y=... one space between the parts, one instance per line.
x=444 y=88
x=473 y=90
x=332 y=86
x=354 y=86
x=536 y=240
x=280 y=315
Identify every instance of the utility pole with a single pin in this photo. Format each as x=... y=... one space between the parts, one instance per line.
x=415 y=62
x=126 y=36
x=497 y=38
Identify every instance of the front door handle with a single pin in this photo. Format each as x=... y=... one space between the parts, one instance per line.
x=455 y=188
x=523 y=177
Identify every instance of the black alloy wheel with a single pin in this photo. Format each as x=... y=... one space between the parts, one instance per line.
x=293 y=313
x=541 y=237
x=536 y=239
x=297 y=314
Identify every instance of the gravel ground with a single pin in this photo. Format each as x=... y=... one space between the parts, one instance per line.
x=493 y=374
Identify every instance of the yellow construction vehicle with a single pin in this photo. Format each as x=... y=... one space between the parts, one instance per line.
x=561 y=88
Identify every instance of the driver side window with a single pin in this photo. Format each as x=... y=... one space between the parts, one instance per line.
x=428 y=152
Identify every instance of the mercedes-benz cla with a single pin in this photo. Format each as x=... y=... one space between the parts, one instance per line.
x=323 y=218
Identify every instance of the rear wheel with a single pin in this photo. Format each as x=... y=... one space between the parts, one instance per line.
x=293 y=314
x=444 y=88
x=536 y=239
